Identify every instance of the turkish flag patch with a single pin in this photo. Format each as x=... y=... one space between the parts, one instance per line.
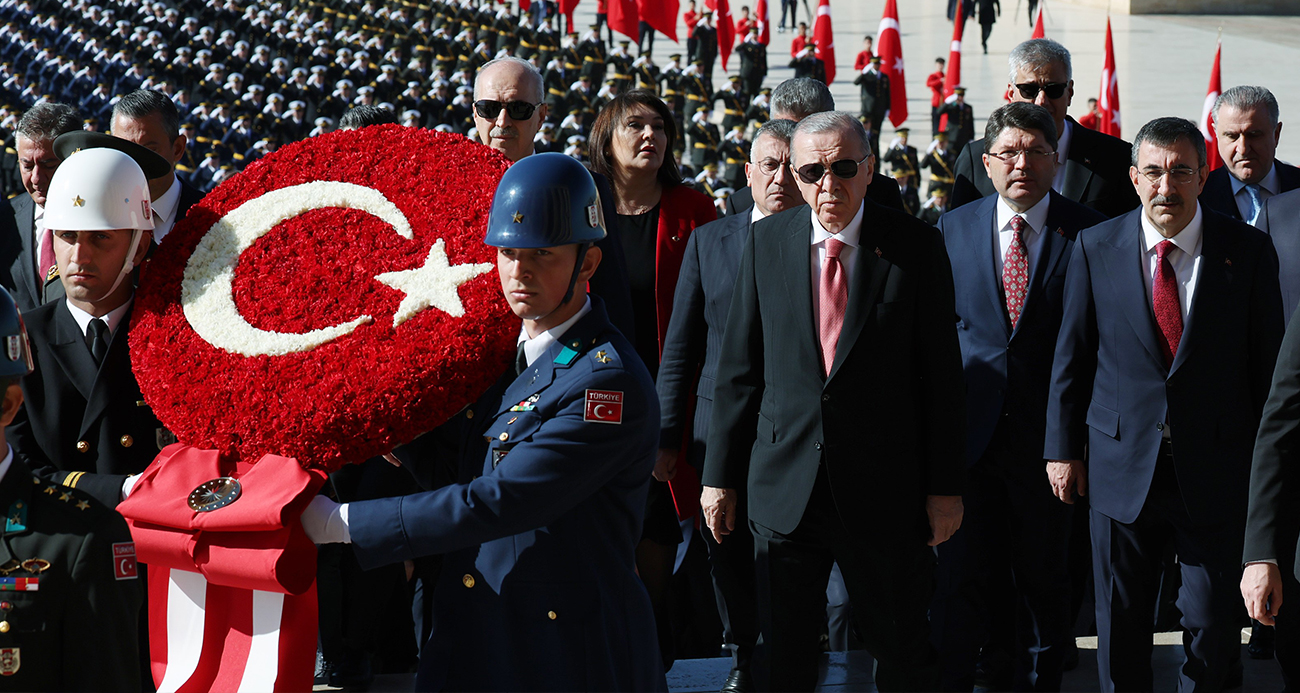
x=124 y=565
x=604 y=406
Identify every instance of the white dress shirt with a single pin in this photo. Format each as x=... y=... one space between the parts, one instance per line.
x=164 y=211
x=1062 y=154
x=6 y=462
x=850 y=236
x=755 y=214
x=534 y=347
x=1271 y=185
x=38 y=230
x=113 y=319
x=1035 y=217
x=1186 y=261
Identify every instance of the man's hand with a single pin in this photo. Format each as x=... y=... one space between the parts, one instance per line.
x=945 y=517
x=665 y=465
x=719 y=507
x=128 y=484
x=1068 y=477
x=1261 y=588
x=324 y=523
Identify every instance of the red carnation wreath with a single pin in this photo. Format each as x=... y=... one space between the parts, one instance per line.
x=332 y=301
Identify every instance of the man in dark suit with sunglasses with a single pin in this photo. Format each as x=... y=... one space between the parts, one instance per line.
x=790 y=421
x=1093 y=168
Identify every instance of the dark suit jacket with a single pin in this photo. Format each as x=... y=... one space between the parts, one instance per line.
x=1008 y=371
x=883 y=190
x=21 y=268
x=610 y=280
x=1096 y=173
x=1280 y=219
x=694 y=341
x=1112 y=392
x=1273 y=521
x=1217 y=194
x=68 y=401
x=887 y=422
x=190 y=196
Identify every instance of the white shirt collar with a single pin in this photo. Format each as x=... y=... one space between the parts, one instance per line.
x=165 y=206
x=534 y=347
x=6 y=462
x=1035 y=216
x=755 y=214
x=1188 y=240
x=1271 y=182
x=849 y=236
x=39 y=211
x=113 y=318
x=1063 y=143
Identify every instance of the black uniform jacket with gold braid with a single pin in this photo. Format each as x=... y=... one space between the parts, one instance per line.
x=69 y=595
x=80 y=425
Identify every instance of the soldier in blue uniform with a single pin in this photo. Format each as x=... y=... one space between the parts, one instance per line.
x=538 y=589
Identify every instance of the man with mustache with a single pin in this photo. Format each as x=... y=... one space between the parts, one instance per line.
x=694 y=345
x=1171 y=325
x=1014 y=533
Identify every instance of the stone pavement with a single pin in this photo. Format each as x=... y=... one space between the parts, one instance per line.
x=1163 y=61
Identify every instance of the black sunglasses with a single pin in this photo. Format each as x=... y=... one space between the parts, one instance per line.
x=517 y=110
x=844 y=168
x=1030 y=91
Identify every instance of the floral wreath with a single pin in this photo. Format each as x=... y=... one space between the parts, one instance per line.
x=333 y=300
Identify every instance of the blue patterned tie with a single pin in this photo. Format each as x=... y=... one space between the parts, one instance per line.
x=1255 y=202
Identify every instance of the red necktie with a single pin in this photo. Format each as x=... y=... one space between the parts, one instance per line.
x=47 y=256
x=1164 y=295
x=1015 y=271
x=834 y=293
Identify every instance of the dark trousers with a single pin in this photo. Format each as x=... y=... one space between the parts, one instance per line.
x=645 y=40
x=1007 y=562
x=890 y=586
x=1126 y=561
x=732 y=568
x=1286 y=647
x=792 y=7
x=934 y=121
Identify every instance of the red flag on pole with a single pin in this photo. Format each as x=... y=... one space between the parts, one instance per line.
x=1207 y=122
x=726 y=31
x=525 y=5
x=623 y=17
x=566 y=8
x=891 y=62
x=764 y=26
x=1039 y=31
x=825 y=36
x=953 y=77
x=661 y=15
x=1108 y=102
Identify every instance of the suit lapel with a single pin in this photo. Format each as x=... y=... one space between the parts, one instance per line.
x=111 y=375
x=982 y=251
x=1049 y=255
x=533 y=380
x=1211 y=282
x=68 y=344
x=1077 y=176
x=796 y=269
x=25 y=273
x=1125 y=266
x=869 y=279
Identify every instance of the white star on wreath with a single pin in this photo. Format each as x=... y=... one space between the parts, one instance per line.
x=433 y=284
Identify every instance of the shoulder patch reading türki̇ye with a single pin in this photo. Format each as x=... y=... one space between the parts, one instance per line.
x=604 y=406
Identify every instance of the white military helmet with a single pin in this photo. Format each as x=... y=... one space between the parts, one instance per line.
x=98 y=189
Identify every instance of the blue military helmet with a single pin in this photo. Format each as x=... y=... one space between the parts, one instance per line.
x=545 y=200
x=17 y=359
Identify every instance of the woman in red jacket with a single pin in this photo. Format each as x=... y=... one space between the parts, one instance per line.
x=631 y=145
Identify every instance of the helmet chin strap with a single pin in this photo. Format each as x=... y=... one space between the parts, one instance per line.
x=577 y=270
x=127 y=265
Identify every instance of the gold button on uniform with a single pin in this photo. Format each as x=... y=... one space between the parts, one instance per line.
x=469 y=414
x=468 y=580
x=126 y=441
x=4 y=626
x=503 y=437
x=83 y=446
x=552 y=615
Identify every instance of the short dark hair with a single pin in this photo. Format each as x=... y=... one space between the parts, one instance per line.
x=361 y=115
x=1165 y=132
x=802 y=97
x=143 y=103
x=1021 y=116
x=602 y=132
x=46 y=121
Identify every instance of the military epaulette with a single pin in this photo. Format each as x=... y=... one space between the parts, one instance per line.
x=604 y=357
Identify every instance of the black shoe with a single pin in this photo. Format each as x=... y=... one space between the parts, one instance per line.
x=1261 y=641
x=1236 y=675
x=355 y=676
x=738 y=682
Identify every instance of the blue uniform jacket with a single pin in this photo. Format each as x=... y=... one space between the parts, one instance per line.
x=538 y=590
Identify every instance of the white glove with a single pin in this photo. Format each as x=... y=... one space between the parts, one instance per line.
x=326 y=522
x=128 y=484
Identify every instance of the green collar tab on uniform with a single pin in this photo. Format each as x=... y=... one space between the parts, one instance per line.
x=16 y=517
x=566 y=356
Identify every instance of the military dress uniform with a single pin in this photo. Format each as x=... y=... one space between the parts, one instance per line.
x=69 y=593
x=733 y=105
x=941 y=164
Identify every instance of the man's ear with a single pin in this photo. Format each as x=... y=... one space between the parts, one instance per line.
x=13 y=399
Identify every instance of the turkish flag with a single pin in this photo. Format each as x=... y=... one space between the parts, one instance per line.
x=1207 y=122
x=726 y=31
x=891 y=62
x=1039 y=31
x=953 y=77
x=566 y=9
x=1108 y=102
x=525 y=5
x=623 y=17
x=764 y=25
x=661 y=15
x=825 y=36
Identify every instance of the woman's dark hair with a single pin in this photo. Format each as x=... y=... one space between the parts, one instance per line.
x=602 y=132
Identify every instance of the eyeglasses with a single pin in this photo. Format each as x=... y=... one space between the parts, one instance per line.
x=769 y=167
x=1030 y=90
x=1179 y=176
x=517 y=110
x=844 y=168
x=1032 y=156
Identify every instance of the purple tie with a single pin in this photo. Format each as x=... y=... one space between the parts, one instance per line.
x=834 y=293
x=1164 y=297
